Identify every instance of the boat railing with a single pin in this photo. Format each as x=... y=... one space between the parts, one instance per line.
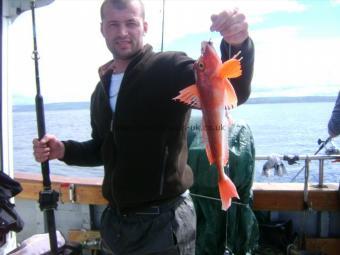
x=292 y=159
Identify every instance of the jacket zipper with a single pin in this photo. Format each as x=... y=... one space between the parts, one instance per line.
x=113 y=172
x=113 y=137
x=165 y=159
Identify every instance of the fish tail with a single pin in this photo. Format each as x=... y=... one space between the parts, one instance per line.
x=227 y=191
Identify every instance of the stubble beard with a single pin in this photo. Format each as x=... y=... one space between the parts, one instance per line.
x=125 y=54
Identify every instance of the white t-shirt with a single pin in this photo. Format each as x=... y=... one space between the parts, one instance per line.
x=116 y=80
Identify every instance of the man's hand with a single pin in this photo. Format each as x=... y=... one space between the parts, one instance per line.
x=49 y=147
x=232 y=26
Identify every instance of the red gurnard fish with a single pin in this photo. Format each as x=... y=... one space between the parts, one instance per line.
x=214 y=95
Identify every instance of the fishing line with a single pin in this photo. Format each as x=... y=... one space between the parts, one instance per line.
x=227 y=213
x=216 y=199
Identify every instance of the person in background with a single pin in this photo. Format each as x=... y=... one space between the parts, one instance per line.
x=334 y=121
x=139 y=133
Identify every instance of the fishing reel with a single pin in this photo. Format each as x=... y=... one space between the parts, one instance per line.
x=291 y=159
x=321 y=141
x=328 y=145
x=48 y=199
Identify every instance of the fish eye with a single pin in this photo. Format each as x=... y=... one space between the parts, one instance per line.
x=201 y=65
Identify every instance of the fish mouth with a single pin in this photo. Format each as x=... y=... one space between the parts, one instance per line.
x=205 y=45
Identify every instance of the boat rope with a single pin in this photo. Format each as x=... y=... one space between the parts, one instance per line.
x=216 y=199
x=297 y=174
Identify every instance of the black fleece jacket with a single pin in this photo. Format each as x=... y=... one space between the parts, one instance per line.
x=143 y=144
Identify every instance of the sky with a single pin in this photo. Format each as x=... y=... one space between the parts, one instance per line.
x=297 y=45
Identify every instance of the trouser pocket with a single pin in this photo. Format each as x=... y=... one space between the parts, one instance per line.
x=184 y=227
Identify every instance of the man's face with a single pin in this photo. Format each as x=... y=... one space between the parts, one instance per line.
x=123 y=30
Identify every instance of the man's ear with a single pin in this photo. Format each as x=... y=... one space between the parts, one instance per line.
x=101 y=28
x=145 y=27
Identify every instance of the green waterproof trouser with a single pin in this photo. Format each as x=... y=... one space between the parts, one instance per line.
x=217 y=230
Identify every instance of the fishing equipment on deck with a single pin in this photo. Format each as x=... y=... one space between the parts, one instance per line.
x=306 y=201
x=39 y=244
x=274 y=162
x=322 y=145
x=331 y=149
x=9 y=218
x=291 y=160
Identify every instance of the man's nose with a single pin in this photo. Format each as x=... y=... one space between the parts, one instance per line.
x=122 y=30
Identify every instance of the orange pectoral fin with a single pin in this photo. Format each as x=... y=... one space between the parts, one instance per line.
x=189 y=96
x=230 y=69
x=230 y=96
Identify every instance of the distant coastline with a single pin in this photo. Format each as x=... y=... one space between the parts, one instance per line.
x=280 y=100
x=54 y=106
x=258 y=100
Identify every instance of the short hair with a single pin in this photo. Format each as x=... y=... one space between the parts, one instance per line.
x=121 y=4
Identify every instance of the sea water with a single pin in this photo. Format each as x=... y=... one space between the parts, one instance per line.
x=277 y=128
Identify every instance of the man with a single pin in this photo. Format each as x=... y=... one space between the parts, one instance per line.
x=334 y=121
x=139 y=133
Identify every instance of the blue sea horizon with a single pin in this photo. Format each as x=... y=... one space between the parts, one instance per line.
x=279 y=128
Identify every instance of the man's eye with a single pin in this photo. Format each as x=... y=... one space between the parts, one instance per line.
x=132 y=24
x=113 y=24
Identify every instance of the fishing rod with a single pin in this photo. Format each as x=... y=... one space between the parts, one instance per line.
x=1 y=108
x=163 y=17
x=323 y=144
x=48 y=198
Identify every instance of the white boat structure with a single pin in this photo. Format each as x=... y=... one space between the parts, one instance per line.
x=313 y=209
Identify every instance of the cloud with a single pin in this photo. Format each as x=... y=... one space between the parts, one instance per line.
x=72 y=48
x=180 y=22
x=289 y=64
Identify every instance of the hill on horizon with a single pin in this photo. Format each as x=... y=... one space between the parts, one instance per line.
x=257 y=100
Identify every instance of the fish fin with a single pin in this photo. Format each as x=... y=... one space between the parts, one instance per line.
x=189 y=96
x=230 y=96
x=230 y=69
x=206 y=142
x=227 y=191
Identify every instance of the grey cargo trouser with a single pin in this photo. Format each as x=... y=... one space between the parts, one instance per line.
x=169 y=231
